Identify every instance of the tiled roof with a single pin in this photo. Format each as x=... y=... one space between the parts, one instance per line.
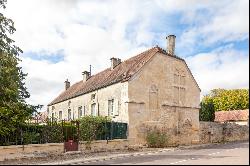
x=235 y=115
x=40 y=117
x=107 y=77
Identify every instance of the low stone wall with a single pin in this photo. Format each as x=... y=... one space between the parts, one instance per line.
x=211 y=132
x=103 y=145
x=14 y=151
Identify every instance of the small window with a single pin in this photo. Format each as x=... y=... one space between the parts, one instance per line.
x=60 y=115
x=93 y=109
x=69 y=103
x=69 y=114
x=53 y=107
x=111 y=107
x=92 y=96
x=79 y=112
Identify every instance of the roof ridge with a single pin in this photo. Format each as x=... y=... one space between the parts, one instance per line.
x=123 y=72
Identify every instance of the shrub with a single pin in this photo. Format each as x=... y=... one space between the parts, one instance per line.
x=91 y=127
x=207 y=111
x=156 y=139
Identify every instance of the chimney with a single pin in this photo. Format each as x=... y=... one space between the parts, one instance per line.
x=115 y=62
x=85 y=75
x=170 y=44
x=67 y=84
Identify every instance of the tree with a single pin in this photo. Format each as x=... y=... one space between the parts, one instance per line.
x=223 y=100
x=207 y=111
x=13 y=108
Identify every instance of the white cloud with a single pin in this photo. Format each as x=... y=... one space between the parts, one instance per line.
x=91 y=32
x=222 y=68
x=223 y=21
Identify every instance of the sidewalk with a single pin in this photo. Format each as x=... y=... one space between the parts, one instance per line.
x=123 y=155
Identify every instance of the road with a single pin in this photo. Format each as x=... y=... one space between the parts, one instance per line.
x=236 y=153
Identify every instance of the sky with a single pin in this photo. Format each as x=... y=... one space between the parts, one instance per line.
x=61 y=38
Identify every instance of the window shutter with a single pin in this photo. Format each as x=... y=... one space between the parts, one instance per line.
x=116 y=107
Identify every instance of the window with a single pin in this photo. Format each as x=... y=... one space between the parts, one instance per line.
x=69 y=103
x=111 y=107
x=92 y=96
x=53 y=107
x=53 y=115
x=84 y=110
x=60 y=115
x=79 y=112
x=69 y=114
x=93 y=109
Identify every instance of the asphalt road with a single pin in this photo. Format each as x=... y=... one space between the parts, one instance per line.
x=222 y=154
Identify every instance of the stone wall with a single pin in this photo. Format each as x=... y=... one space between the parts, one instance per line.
x=164 y=96
x=211 y=132
x=58 y=148
x=180 y=124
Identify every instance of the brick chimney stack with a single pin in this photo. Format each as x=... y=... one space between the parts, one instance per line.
x=67 y=84
x=85 y=75
x=115 y=62
x=171 y=44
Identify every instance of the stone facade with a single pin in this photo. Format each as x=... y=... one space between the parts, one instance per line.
x=211 y=132
x=158 y=106
x=161 y=92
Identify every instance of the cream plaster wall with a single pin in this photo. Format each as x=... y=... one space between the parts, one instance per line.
x=118 y=92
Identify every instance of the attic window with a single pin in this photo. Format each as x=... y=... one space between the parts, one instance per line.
x=53 y=107
x=69 y=103
x=92 y=96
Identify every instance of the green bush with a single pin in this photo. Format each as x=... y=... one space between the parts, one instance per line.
x=91 y=127
x=207 y=111
x=156 y=139
x=30 y=137
x=223 y=100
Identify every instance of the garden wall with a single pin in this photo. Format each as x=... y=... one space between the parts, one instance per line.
x=211 y=132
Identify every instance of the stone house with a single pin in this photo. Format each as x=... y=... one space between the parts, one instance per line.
x=154 y=88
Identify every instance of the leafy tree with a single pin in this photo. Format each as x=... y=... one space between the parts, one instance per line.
x=223 y=100
x=13 y=108
x=207 y=111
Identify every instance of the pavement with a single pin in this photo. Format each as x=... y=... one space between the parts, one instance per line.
x=230 y=153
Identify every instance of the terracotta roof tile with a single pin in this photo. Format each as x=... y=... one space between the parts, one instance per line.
x=235 y=115
x=123 y=72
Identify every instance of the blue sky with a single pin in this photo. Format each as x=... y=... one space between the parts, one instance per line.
x=61 y=38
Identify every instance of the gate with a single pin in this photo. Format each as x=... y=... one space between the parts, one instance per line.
x=71 y=136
